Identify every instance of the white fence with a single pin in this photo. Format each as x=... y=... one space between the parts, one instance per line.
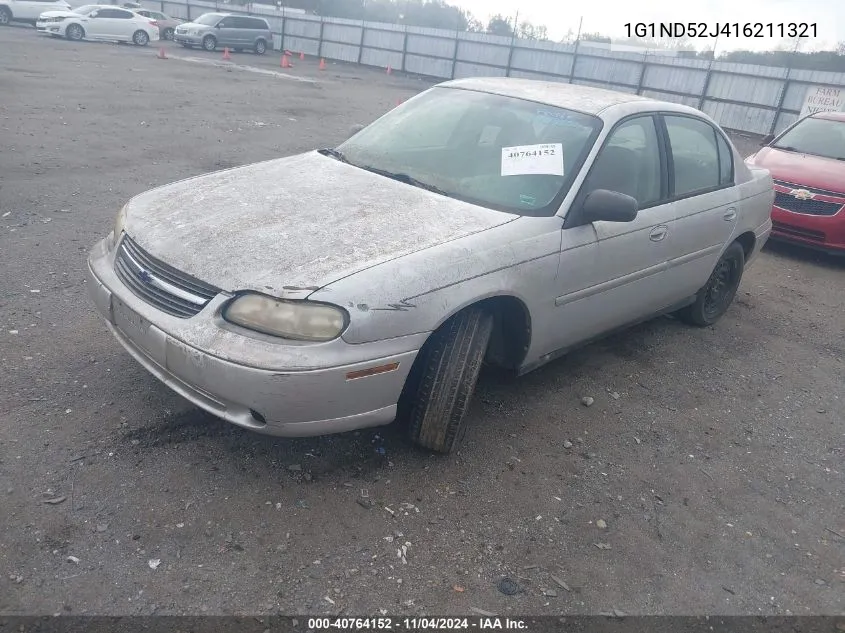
x=742 y=97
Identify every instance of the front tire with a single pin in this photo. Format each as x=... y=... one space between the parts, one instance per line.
x=439 y=388
x=168 y=34
x=5 y=16
x=140 y=38
x=260 y=47
x=74 y=32
x=714 y=299
x=209 y=43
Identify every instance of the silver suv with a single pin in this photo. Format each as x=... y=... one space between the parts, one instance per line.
x=215 y=30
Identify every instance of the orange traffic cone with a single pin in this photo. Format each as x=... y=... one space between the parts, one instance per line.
x=389 y=69
x=301 y=56
x=285 y=62
x=161 y=53
x=322 y=64
x=226 y=54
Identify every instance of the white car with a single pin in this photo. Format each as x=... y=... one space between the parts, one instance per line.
x=99 y=22
x=28 y=10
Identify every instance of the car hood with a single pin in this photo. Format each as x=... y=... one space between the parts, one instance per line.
x=802 y=169
x=292 y=225
x=59 y=13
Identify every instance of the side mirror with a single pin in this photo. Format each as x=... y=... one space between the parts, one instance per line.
x=602 y=205
x=767 y=139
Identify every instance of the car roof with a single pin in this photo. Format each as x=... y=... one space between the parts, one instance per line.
x=585 y=99
x=830 y=116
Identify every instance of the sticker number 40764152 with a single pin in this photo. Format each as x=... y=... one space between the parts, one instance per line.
x=544 y=159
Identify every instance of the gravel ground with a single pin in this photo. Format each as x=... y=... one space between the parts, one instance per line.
x=706 y=478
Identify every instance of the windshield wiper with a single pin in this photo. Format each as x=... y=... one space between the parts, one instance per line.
x=408 y=180
x=328 y=151
x=786 y=148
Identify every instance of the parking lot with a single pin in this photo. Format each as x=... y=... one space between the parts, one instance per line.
x=713 y=457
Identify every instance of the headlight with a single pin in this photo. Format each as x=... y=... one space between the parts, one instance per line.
x=119 y=223
x=297 y=320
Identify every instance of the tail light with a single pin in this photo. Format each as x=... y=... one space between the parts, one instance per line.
x=154 y=22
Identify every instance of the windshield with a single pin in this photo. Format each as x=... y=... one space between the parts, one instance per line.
x=85 y=9
x=500 y=152
x=820 y=137
x=208 y=19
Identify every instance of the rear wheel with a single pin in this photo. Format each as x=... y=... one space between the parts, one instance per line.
x=260 y=47
x=439 y=388
x=209 y=43
x=167 y=33
x=140 y=38
x=714 y=299
x=74 y=32
x=5 y=16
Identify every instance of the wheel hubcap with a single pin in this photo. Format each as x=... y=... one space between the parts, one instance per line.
x=719 y=289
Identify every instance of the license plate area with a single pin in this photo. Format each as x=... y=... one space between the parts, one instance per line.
x=129 y=322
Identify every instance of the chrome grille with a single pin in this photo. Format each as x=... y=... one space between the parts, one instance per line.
x=159 y=284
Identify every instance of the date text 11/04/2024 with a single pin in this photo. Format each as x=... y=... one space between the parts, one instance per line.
x=722 y=29
x=417 y=624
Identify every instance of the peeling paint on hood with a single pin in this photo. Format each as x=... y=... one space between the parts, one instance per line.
x=295 y=223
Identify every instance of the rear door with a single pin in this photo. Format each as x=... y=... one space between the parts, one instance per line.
x=704 y=196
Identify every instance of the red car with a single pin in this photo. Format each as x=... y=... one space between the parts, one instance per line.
x=807 y=163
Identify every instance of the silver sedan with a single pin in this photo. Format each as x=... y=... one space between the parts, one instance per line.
x=485 y=220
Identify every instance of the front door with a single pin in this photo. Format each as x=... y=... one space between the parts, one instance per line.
x=621 y=279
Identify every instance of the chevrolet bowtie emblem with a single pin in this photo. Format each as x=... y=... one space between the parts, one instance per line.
x=801 y=194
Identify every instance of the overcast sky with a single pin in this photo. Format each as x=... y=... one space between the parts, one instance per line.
x=609 y=17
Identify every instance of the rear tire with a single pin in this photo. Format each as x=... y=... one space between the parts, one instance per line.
x=5 y=16
x=74 y=32
x=714 y=299
x=140 y=38
x=167 y=34
x=439 y=388
x=209 y=43
x=260 y=47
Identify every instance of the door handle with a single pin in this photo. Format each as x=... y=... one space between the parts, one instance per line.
x=730 y=214
x=658 y=233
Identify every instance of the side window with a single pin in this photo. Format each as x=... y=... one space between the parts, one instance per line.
x=123 y=15
x=726 y=161
x=226 y=23
x=104 y=13
x=629 y=162
x=694 y=153
x=145 y=13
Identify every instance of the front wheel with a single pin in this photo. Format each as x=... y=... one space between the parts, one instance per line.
x=714 y=299
x=140 y=38
x=5 y=16
x=439 y=388
x=167 y=34
x=209 y=43
x=74 y=32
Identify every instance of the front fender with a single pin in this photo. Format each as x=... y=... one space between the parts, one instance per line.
x=417 y=293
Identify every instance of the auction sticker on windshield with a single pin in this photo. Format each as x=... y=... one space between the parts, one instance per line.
x=545 y=159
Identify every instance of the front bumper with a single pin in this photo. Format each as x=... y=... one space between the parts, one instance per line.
x=51 y=28
x=284 y=402
x=187 y=38
x=823 y=233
